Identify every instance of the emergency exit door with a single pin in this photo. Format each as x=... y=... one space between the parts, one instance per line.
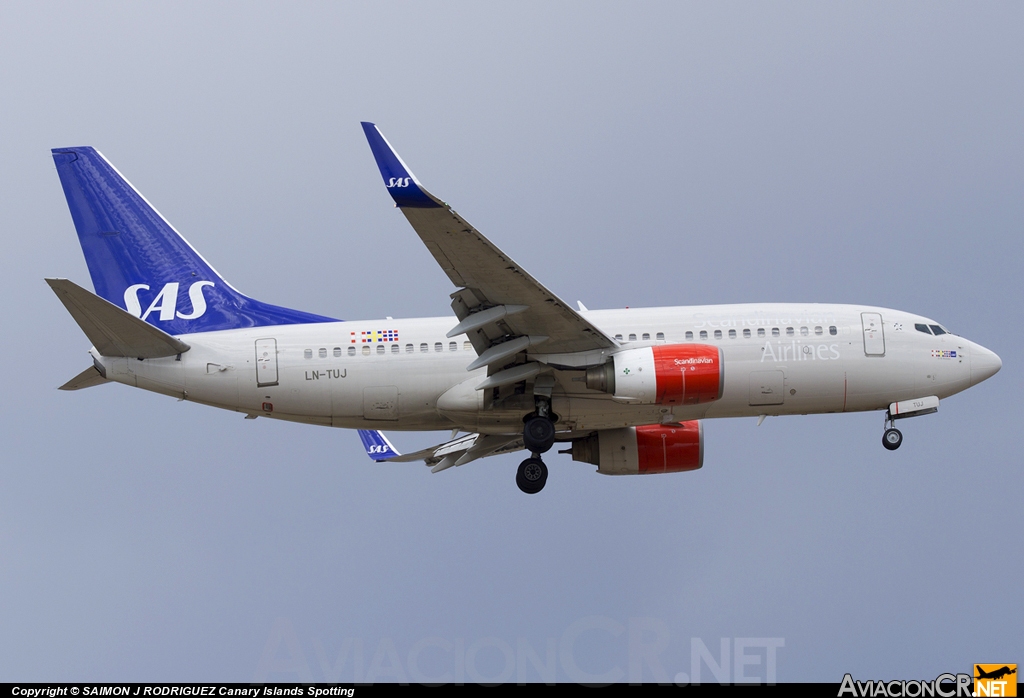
x=266 y=362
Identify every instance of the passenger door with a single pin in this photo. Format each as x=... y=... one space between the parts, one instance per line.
x=874 y=337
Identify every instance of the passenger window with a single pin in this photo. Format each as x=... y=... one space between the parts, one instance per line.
x=323 y=352
x=351 y=351
x=467 y=346
x=646 y=336
x=307 y=354
x=423 y=348
x=789 y=332
x=937 y=330
x=703 y=334
x=732 y=334
x=661 y=336
x=760 y=332
x=804 y=332
x=817 y=329
x=380 y=348
x=746 y=333
x=618 y=337
x=775 y=332
x=438 y=346
x=689 y=335
x=394 y=348
x=832 y=330
x=718 y=334
x=366 y=350
x=408 y=348
x=632 y=337
x=337 y=351
x=453 y=346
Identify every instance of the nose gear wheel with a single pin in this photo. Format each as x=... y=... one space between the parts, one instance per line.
x=892 y=438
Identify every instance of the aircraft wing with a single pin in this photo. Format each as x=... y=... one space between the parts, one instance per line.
x=458 y=451
x=502 y=309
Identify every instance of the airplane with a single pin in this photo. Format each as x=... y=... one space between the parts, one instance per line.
x=516 y=368
x=995 y=674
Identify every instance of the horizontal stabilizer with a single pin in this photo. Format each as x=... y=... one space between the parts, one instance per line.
x=113 y=331
x=86 y=379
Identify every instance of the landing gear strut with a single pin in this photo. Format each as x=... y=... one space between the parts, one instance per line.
x=538 y=437
x=539 y=428
x=893 y=437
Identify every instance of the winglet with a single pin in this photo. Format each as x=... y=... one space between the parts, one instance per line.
x=402 y=184
x=377 y=445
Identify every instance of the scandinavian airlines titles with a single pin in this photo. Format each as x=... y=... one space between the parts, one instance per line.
x=798 y=351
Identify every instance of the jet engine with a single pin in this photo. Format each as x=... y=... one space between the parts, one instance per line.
x=672 y=374
x=644 y=450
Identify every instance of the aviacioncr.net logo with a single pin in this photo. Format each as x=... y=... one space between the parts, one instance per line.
x=944 y=686
x=166 y=302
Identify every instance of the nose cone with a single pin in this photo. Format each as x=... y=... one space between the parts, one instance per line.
x=984 y=364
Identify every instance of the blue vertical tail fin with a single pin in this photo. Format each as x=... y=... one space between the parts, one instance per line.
x=139 y=262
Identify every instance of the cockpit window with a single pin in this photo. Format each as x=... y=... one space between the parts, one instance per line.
x=922 y=328
x=937 y=330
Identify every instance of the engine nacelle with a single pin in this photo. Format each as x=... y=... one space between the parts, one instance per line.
x=670 y=374
x=655 y=448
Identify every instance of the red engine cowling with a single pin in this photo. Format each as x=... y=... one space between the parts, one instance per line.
x=672 y=374
x=655 y=448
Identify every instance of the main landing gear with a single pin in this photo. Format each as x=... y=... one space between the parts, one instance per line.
x=538 y=437
x=893 y=437
x=532 y=475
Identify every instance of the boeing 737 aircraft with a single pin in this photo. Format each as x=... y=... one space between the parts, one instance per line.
x=515 y=368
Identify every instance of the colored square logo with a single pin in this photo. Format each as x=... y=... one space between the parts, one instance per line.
x=995 y=680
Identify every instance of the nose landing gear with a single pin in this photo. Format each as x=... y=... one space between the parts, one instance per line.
x=917 y=407
x=893 y=437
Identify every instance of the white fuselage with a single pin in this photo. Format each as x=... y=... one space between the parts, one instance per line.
x=407 y=375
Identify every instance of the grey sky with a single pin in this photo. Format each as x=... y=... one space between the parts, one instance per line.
x=625 y=154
